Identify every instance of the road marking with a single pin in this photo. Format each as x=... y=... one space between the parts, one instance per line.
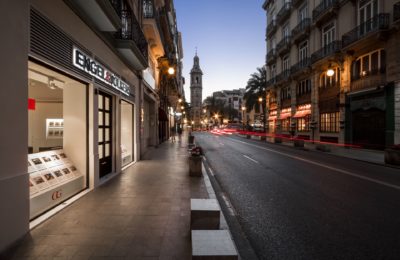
x=211 y=172
x=250 y=158
x=325 y=166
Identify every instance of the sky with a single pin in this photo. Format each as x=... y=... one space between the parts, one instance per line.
x=230 y=40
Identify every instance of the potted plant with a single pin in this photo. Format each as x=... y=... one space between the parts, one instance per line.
x=195 y=158
x=392 y=155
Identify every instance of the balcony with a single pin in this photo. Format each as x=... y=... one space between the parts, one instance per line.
x=271 y=28
x=283 y=76
x=151 y=28
x=396 y=12
x=131 y=42
x=329 y=92
x=271 y=82
x=370 y=79
x=300 y=67
x=326 y=51
x=101 y=13
x=284 y=45
x=296 y=3
x=325 y=10
x=271 y=56
x=284 y=13
x=302 y=30
x=375 y=24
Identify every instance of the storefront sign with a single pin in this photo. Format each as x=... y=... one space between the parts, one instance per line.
x=84 y=62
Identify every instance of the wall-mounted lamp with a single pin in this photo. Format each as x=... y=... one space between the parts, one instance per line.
x=330 y=72
x=171 y=71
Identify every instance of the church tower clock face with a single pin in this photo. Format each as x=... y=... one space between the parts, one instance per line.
x=196 y=91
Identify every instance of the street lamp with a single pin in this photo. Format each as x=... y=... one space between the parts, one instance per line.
x=243 y=109
x=171 y=71
x=260 y=99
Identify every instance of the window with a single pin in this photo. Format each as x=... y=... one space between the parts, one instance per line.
x=285 y=124
x=273 y=71
x=326 y=81
x=285 y=63
x=272 y=43
x=303 y=51
x=303 y=87
x=329 y=122
x=303 y=124
x=369 y=64
x=367 y=10
x=303 y=12
x=285 y=31
x=328 y=34
x=285 y=93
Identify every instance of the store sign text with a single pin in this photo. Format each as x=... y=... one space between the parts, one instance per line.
x=83 y=62
x=56 y=195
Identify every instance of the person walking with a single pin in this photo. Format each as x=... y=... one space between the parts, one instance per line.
x=179 y=133
x=173 y=134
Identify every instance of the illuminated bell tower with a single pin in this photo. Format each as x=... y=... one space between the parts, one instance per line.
x=196 y=91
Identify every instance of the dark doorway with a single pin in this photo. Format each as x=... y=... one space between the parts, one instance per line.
x=369 y=128
x=105 y=133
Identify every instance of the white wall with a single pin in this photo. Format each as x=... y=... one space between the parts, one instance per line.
x=14 y=191
x=75 y=134
x=127 y=126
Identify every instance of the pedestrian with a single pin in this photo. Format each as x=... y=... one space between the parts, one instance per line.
x=173 y=134
x=179 y=133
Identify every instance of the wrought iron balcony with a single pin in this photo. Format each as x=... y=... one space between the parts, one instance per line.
x=324 y=8
x=296 y=3
x=271 y=56
x=283 y=76
x=302 y=30
x=376 y=23
x=369 y=79
x=396 y=12
x=131 y=42
x=271 y=82
x=284 y=45
x=326 y=51
x=148 y=9
x=271 y=28
x=300 y=66
x=284 y=12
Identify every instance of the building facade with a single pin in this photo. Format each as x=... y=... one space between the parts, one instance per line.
x=196 y=92
x=333 y=69
x=233 y=101
x=85 y=70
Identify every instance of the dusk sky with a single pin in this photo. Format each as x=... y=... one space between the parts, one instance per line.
x=230 y=39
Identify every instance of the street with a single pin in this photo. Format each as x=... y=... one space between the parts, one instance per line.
x=298 y=204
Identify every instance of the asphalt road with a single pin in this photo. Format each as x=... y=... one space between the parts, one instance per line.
x=296 y=204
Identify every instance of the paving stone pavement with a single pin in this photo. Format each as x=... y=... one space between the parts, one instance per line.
x=143 y=213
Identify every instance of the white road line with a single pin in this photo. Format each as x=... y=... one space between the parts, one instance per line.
x=250 y=158
x=324 y=166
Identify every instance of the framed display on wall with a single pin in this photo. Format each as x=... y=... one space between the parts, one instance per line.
x=54 y=128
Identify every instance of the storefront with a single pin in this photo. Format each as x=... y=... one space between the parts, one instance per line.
x=272 y=121
x=285 y=121
x=82 y=127
x=303 y=117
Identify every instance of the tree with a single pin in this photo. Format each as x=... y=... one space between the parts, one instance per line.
x=255 y=88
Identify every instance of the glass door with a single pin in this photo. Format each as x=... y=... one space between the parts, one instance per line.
x=105 y=134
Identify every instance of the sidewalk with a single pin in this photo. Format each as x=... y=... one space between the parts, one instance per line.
x=144 y=213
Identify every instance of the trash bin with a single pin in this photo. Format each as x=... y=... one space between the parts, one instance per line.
x=195 y=159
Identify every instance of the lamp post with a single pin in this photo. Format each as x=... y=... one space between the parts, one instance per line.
x=260 y=99
x=243 y=114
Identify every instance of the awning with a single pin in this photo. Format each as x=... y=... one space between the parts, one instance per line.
x=162 y=116
x=271 y=118
x=302 y=113
x=285 y=115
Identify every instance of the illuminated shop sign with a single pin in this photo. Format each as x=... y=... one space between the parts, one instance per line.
x=83 y=62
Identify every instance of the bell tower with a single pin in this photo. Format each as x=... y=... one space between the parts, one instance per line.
x=196 y=91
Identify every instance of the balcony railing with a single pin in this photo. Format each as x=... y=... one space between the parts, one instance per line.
x=396 y=12
x=296 y=3
x=284 y=45
x=271 y=82
x=323 y=8
x=272 y=26
x=131 y=31
x=148 y=9
x=117 y=4
x=271 y=56
x=376 y=23
x=284 y=12
x=326 y=51
x=283 y=76
x=301 y=30
x=305 y=63
x=370 y=79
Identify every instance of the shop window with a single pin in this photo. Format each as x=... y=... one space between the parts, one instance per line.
x=285 y=125
x=303 y=124
x=329 y=122
x=126 y=133
x=57 y=138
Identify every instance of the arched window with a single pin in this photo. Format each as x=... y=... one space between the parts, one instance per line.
x=197 y=79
